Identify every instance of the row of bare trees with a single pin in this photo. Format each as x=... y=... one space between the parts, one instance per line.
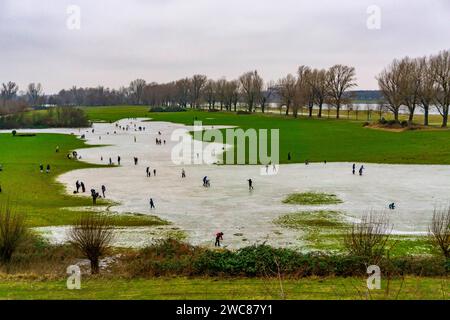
x=316 y=87
x=309 y=87
x=418 y=83
x=199 y=91
x=12 y=101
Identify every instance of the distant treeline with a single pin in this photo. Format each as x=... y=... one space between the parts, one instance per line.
x=414 y=83
x=58 y=117
x=374 y=96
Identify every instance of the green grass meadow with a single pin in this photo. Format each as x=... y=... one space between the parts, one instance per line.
x=315 y=140
x=179 y=288
x=37 y=194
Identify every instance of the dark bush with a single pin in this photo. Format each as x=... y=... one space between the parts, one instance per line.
x=166 y=257
x=92 y=236
x=392 y=122
x=243 y=112
x=167 y=109
x=170 y=257
x=25 y=135
x=12 y=232
x=59 y=117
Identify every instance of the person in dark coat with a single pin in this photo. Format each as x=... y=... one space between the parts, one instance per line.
x=94 y=195
x=152 y=204
x=250 y=184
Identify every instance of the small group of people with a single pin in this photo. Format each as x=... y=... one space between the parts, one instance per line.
x=160 y=142
x=360 y=171
x=47 y=169
x=72 y=155
x=79 y=185
x=95 y=195
x=392 y=206
x=274 y=168
x=149 y=172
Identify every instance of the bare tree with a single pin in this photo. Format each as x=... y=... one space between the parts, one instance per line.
x=267 y=94
x=12 y=232
x=234 y=89
x=137 y=90
x=221 y=86
x=380 y=108
x=92 y=234
x=304 y=93
x=390 y=83
x=182 y=87
x=198 y=82
x=34 y=93
x=318 y=83
x=426 y=90
x=8 y=91
x=230 y=94
x=210 y=93
x=340 y=78
x=287 y=87
x=439 y=231
x=440 y=71
x=410 y=82
x=251 y=87
x=368 y=239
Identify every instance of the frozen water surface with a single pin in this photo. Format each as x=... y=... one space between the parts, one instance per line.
x=245 y=217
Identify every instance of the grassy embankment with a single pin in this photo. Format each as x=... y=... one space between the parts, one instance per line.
x=223 y=289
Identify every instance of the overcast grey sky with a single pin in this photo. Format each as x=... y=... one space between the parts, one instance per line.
x=163 y=40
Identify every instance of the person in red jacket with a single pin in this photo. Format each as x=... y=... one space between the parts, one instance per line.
x=219 y=237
